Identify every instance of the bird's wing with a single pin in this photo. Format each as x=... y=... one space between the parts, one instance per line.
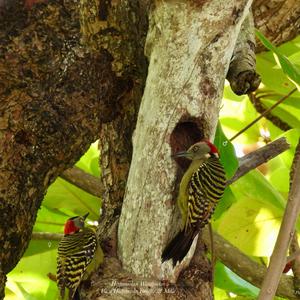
x=206 y=188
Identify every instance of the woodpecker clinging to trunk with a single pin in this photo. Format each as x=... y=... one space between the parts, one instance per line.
x=201 y=187
x=79 y=254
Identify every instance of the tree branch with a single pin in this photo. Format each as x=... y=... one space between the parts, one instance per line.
x=258 y=157
x=46 y=236
x=83 y=180
x=278 y=258
x=261 y=109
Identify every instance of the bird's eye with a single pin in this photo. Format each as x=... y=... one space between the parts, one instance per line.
x=195 y=149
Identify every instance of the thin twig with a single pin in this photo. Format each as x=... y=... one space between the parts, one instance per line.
x=278 y=258
x=212 y=254
x=46 y=236
x=262 y=115
x=258 y=157
x=83 y=180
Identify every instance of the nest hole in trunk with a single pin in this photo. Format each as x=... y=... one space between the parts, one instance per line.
x=185 y=134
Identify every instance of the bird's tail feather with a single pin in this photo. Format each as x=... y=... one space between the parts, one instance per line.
x=74 y=294
x=179 y=246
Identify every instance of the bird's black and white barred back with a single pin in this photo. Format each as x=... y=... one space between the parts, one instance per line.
x=206 y=188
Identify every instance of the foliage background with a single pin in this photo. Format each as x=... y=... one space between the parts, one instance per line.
x=250 y=213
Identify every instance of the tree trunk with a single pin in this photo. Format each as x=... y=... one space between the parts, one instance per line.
x=187 y=68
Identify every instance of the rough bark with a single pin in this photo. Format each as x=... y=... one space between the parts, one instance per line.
x=115 y=136
x=242 y=74
x=180 y=105
x=279 y=20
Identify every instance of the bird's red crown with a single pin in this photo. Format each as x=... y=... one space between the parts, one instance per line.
x=70 y=227
x=213 y=148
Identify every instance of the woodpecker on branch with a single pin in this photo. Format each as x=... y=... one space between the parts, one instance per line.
x=201 y=188
x=79 y=254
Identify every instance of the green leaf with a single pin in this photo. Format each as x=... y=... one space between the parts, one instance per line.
x=50 y=220
x=251 y=225
x=230 y=95
x=29 y=279
x=227 y=153
x=230 y=163
x=292 y=137
x=295 y=58
x=254 y=185
x=275 y=132
x=287 y=111
x=288 y=68
x=220 y=294
x=227 y=280
x=66 y=197
x=290 y=47
x=39 y=246
x=89 y=162
x=273 y=78
x=227 y=200
x=244 y=113
x=279 y=167
x=273 y=96
x=279 y=178
x=94 y=166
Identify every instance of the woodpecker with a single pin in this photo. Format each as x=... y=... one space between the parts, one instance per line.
x=79 y=253
x=201 y=188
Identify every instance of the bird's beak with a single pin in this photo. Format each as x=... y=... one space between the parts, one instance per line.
x=85 y=216
x=181 y=154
